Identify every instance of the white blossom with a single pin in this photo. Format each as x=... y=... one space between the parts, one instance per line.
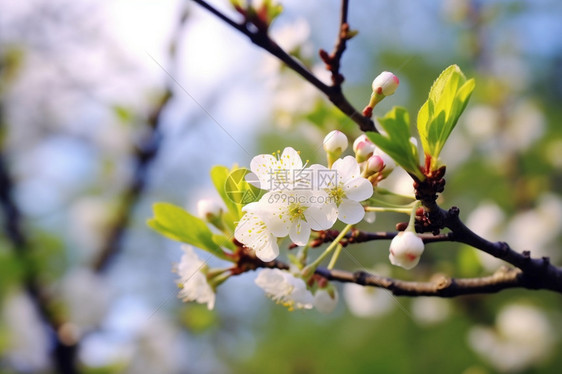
x=193 y=280
x=253 y=233
x=367 y=301
x=429 y=311
x=284 y=288
x=406 y=249
x=296 y=213
x=326 y=300
x=347 y=189
x=276 y=173
x=521 y=339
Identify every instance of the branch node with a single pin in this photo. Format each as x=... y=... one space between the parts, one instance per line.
x=454 y=212
x=360 y=277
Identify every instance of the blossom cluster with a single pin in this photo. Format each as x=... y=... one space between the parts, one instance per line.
x=299 y=199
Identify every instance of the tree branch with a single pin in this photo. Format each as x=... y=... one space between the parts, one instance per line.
x=333 y=60
x=262 y=40
x=64 y=351
x=504 y=278
x=358 y=236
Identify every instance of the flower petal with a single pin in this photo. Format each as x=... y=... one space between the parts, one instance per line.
x=350 y=212
x=263 y=166
x=347 y=168
x=321 y=216
x=358 y=189
x=290 y=159
x=300 y=232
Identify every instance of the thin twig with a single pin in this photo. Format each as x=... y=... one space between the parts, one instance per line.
x=333 y=60
x=504 y=278
x=261 y=39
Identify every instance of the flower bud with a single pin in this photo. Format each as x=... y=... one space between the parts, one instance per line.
x=385 y=83
x=363 y=148
x=208 y=209
x=335 y=142
x=374 y=164
x=389 y=163
x=361 y=138
x=406 y=249
x=211 y=211
x=334 y=145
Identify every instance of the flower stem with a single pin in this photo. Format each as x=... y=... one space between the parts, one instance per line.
x=335 y=257
x=381 y=209
x=303 y=255
x=384 y=191
x=411 y=223
x=309 y=270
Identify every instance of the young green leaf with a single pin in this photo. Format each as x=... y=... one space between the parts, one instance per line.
x=438 y=116
x=219 y=175
x=177 y=224
x=396 y=143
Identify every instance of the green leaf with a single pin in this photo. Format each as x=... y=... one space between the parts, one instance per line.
x=219 y=176
x=396 y=143
x=234 y=191
x=224 y=241
x=438 y=116
x=177 y=224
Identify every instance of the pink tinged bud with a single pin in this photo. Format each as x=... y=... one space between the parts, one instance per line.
x=335 y=142
x=389 y=163
x=385 y=83
x=361 y=138
x=374 y=164
x=364 y=151
x=406 y=249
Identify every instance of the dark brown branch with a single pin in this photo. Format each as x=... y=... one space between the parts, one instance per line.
x=145 y=152
x=333 y=60
x=504 y=278
x=444 y=287
x=539 y=271
x=262 y=40
x=358 y=236
x=64 y=351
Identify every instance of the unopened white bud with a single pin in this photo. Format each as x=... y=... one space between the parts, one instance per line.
x=385 y=83
x=335 y=142
x=209 y=209
x=406 y=249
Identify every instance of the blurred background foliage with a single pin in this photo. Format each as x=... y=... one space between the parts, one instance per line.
x=79 y=80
